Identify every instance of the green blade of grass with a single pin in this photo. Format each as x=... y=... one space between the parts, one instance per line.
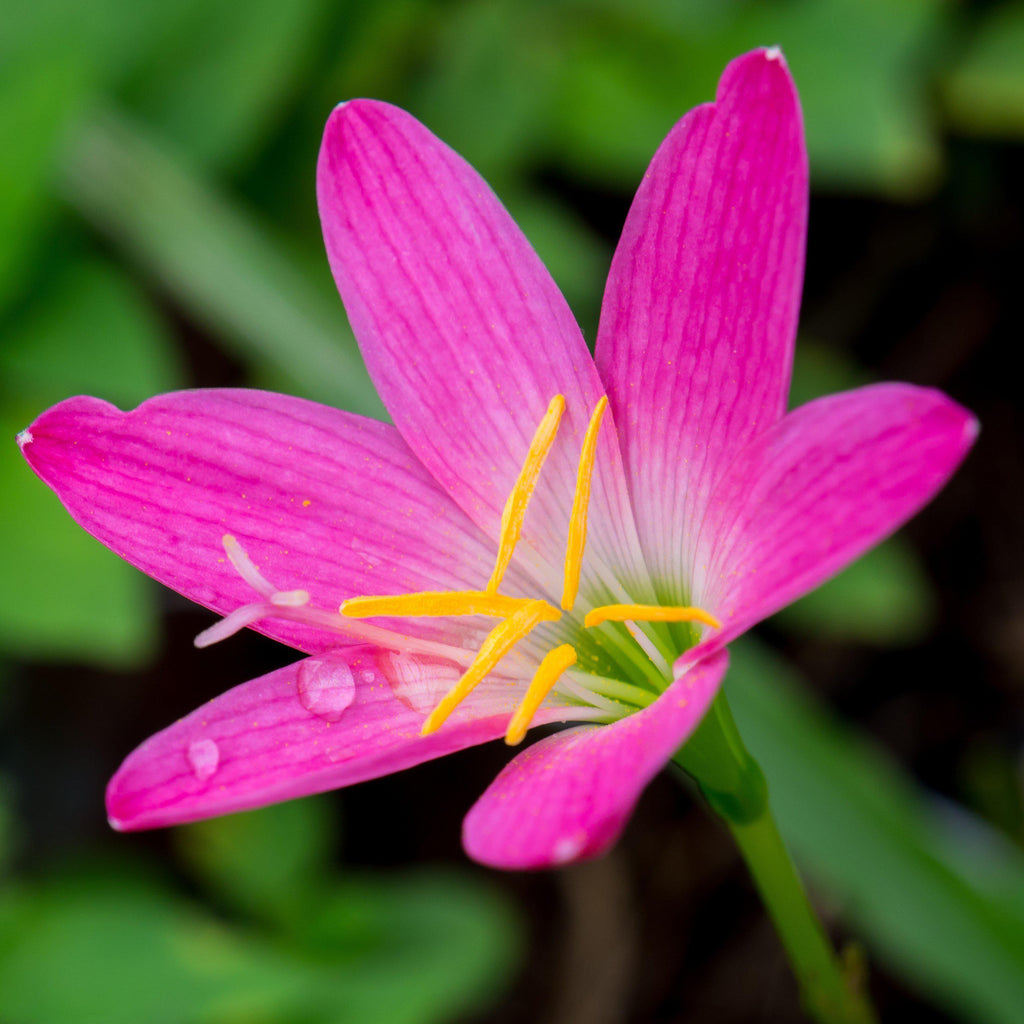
x=216 y=261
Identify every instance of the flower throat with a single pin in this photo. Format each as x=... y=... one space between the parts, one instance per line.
x=518 y=616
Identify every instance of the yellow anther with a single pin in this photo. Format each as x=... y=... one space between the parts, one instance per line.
x=515 y=508
x=647 y=613
x=432 y=603
x=499 y=642
x=580 y=502
x=548 y=672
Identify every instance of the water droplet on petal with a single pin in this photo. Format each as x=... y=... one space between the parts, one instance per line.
x=419 y=683
x=567 y=848
x=203 y=758
x=326 y=687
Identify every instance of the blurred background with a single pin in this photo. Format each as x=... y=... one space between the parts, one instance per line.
x=158 y=230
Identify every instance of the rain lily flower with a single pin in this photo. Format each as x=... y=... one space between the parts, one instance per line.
x=543 y=536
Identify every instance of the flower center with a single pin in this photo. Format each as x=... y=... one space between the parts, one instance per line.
x=520 y=616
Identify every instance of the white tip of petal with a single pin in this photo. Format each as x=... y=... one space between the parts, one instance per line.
x=24 y=439
x=567 y=848
x=773 y=53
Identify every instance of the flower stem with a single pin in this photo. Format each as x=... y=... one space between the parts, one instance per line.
x=734 y=786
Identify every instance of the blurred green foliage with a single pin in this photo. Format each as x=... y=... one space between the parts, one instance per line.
x=139 y=142
x=947 y=912
x=106 y=940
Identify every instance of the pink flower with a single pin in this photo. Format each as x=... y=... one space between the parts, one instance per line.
x=704 y=491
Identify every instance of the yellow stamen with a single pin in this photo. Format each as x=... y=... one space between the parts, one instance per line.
x=647 y=613
x=515 y=508
x=580 y=502
x=499 y=642
x=548 y=672
x=432 y=603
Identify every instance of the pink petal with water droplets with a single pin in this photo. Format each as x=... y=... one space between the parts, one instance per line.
x=816 y=491
x=464 y=332
x=316 y=725
x=700 y=311
x=321 y=500
x=569 y=796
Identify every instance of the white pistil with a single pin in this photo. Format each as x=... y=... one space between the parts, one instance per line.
x=244 y=567
x=292 y=605
x=231 y=624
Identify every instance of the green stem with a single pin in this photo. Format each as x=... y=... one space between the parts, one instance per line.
x=734 y=786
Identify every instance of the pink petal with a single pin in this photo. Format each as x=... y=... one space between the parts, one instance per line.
x=319 y=724
x=568 y=797
x=700 y=312
x=464 y=332
x=321 y=500
x=821 y=487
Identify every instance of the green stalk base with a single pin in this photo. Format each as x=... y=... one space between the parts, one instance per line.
x=735 y=788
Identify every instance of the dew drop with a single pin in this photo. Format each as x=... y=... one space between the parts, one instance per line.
x=326 y=687
x=203 y=758
x=567 y=848
x=417 y=682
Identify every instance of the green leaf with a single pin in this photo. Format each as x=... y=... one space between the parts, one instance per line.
x=948 y=917
x=8 y=829
x=883 y=598
x=984 y=90
x=422 y=947
x=473 y=95
x=429 y=946
x=39 y=99
x=224 y=74
x=857 y=63
x=109 y=944
x=577 y=258
x=56 y=57
x=820 y=369
x=65 y=597
x=861 y=69
x=267 y=863
x=89 y=330
x=221 y=266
